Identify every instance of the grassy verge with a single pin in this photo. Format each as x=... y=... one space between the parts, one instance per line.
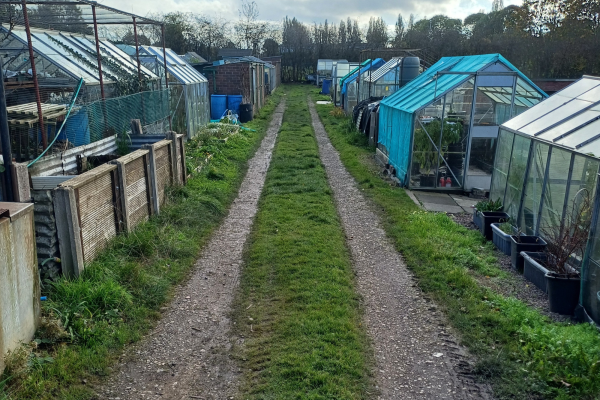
x=118 y=297
x=297 y=306
x=519 y=351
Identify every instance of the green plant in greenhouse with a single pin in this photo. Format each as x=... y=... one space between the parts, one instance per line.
x=424 y=152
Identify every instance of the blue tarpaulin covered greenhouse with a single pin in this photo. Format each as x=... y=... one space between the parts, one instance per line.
x=547 y=158
x=444 y=123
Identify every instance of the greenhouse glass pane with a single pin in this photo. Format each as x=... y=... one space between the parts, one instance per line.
x=425 y=156
x=533 y=189
x=577 y=138
x=556 y=116
x=583 y=183
x=590 y=290
x=532 y=114
x=571 y=124
x=578 y=88
x=556 y=187
x=501 y=164
x=516 y=175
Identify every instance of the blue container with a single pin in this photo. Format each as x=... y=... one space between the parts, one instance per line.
x=233 y=103
x=326 y=86
x=77 y=128
x=218 y=105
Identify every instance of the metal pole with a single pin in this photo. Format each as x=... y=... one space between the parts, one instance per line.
x=166 y=72
x=137 y=53
x=5 y=140
x=35 y=81
x=98 y=53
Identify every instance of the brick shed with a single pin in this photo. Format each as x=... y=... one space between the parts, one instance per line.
x=240 y=75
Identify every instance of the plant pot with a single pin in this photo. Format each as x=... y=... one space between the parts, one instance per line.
x=476 y=218
x=501 y=239
x=563 y=293
x=488 y=218
x=533 y=270
x=524 y=243
x=427 y=181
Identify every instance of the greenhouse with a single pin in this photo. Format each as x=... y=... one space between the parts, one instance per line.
x=189 y=89
x=339 y=72
x=325 y=69
x=546 y=162
x=444 y=123
x=350 y=87
x=389 y=77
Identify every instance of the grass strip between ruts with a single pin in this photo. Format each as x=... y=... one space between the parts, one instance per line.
x=519 y=351
x=118 y=297
x=297 y=305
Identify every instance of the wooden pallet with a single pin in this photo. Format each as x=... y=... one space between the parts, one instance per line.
x=31 y=108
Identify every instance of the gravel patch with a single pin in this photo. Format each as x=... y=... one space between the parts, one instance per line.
x=516 y=285
x=188 y=354
x=416 y=354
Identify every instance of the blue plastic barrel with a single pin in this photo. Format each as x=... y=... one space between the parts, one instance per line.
x=218 y=105
x=233 y=103
x=326 y=86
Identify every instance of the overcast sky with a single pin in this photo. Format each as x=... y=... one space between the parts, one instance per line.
x=310 y=11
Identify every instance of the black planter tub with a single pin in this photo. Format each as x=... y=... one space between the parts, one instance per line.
x=533 y=270
x=563 y=293
x=491 y=217
x=501 y=239
x=524 y=243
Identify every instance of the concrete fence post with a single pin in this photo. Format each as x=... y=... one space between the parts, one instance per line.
x=172 y=136
x=21 y=191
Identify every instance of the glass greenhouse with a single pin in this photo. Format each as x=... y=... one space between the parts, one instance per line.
x=325 y=69
x=444 y=123
x=350 y=91
x=546 y=158
x=340 y=71
x=389 y=77
x=189 y=90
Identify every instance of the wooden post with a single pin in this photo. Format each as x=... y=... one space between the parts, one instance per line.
x=152 y=177
x=172 y=136
x=69 y=231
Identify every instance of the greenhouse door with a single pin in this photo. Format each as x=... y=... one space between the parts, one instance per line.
x=482 y=147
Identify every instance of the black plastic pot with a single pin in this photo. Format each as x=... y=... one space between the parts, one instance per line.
x=524 y=243
x=245 y=113
x=488 y=218
x=563 y=293
x=427 y=181
x=501 y=239
x=533 y=270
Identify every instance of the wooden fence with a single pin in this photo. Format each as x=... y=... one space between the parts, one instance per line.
x=94 y=207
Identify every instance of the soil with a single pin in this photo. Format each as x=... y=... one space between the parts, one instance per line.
x=188 y=354
x=516 y=285
x=417 y=356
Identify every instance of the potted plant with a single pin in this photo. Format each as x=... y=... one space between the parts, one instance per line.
x=566 y=243
x=501 y=233
x=483 y=205
x=490 y=212
x=424 y=150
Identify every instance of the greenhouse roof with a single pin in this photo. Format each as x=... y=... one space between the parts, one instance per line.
x=384 y=69
x=431 y=84
x=343 y=78
x=570 y=118
x=370 y=66
x=178 y=67
x=74 y=54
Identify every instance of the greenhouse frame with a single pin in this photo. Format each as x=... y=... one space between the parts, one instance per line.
x=379 y=82
x=325 y=69
x=350 y=85
x=340 y=71
x=547 y=160
x=445 y=122
x=192 y=87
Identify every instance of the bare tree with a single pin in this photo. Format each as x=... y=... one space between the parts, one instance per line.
x=250 y=32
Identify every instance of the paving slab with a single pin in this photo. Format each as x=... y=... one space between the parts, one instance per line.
x=436 y=207
x=442 y=200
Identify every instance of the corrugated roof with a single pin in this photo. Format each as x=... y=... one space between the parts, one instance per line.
x=54 y=47
x=179 y=68
x=569 y=118
x=426 y=87
x=384 y=69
